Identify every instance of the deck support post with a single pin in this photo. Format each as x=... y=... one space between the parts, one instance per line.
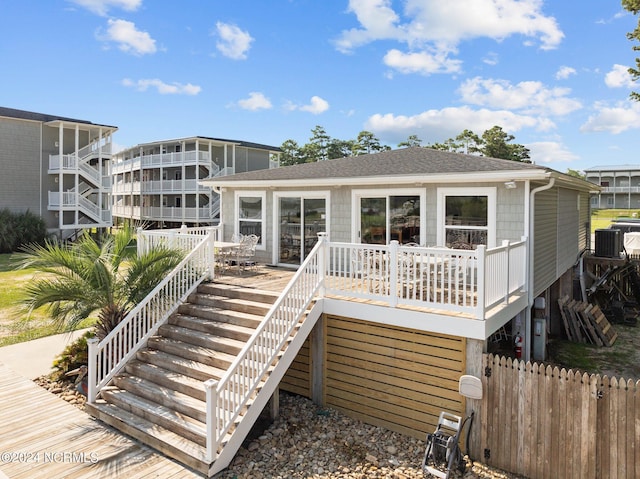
x=317 y=340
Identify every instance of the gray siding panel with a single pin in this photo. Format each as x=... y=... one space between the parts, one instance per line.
x=20 y=165
x=545 y=240
x=568 y=227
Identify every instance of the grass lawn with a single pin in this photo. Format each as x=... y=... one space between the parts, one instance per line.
x=601 y=219
x=15 y=325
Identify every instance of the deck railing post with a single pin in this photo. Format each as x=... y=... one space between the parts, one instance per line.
x=210 y=387
x=211 y=254
x=323 y=255
x=393 y=273
x=140 y=241
x=507 y=248
x=482 y=283
x=92 y=371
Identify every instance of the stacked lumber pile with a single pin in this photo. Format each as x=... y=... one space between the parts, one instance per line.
x=586 y=323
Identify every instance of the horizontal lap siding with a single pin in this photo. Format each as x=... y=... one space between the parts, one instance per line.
x=297 y=379
x=397 y=378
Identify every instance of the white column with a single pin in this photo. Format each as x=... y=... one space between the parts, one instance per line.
x=60 y=175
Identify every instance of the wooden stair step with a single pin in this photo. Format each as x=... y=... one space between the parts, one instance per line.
x=178 y=401
x=233 y=331
x=246 y=305
x=223 y=315
x=188 y=367
x=159 y=414
x=235 y=291
x=193 y=352
x=167 y=442
x=218 y=343
x=177 y=382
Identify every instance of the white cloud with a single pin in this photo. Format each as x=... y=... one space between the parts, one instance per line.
x=234 y=43
x=316 y=106
x=438 y=125
x=619 y=77
x=256 y=101
x=101 y=7
x=439 y=26
x=491 y=58
x=614 y=119
x=550 y=152
x=129 y=39
x=565 y=72
x=421 y=62
x=162 y=87
x=532 y=97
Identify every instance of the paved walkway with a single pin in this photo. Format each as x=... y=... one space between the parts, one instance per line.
x=32 y=359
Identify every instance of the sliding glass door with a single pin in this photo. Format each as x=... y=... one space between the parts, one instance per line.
x=300 y=220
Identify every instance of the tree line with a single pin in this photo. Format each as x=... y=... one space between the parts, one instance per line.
x=494 y=142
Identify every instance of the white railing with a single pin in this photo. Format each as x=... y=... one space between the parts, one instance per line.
x=227 y=397
x=173 y=186
x=460 y=281
x=183 y=238
x=108 y=357
x=100 y=146
x=70 y=164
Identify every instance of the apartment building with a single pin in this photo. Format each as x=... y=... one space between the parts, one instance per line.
x=620 y=186
x=159 y=183
x=58 y=168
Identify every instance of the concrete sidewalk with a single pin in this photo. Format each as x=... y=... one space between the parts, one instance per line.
x=32 y=359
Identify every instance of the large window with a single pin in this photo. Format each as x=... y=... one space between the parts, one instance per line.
x=251 y=214
x=467 y=217
x=388 y=217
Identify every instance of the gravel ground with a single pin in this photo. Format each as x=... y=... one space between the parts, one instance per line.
x=310 y=443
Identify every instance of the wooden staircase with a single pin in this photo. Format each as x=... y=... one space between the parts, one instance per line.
x=159 y=397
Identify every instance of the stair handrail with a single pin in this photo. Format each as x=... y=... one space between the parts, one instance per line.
x=109 y=356
x=226 y=398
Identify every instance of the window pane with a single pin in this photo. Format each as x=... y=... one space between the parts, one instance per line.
x=405 y=218
x=466 y=210
x=251 y=207
x=290 y=230
x=314 y=222
x=373 y=216
x=250 y=216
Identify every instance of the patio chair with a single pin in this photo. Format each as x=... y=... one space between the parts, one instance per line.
x=246 y=252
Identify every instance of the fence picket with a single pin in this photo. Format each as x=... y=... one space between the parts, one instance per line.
x=544 y=422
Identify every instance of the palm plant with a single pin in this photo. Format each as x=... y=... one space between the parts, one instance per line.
x=105 y=278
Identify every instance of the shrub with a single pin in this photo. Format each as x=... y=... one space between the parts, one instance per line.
x=73 y=356
x=20 y=229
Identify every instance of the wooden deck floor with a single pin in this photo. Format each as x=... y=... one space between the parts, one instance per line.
x=43 y=436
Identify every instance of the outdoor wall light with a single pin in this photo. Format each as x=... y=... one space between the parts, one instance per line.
x=509 y=185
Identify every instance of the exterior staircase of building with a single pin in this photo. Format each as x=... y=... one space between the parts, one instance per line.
x=159 y=397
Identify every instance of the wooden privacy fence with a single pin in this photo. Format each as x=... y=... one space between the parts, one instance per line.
x=543 y=422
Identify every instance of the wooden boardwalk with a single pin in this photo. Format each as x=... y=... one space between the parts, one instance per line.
x=43 y=436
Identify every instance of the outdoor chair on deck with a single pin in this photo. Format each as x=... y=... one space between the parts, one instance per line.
x=246 y=252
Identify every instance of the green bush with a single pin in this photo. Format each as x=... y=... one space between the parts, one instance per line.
x=20 y=229
x=73 y=356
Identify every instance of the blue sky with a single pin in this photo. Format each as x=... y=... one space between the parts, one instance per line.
x=551 y=73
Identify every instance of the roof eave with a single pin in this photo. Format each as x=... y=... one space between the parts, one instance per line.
x=472 y=177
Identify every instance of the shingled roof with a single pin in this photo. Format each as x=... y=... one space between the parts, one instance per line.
x=33 y=116
x=416 y=161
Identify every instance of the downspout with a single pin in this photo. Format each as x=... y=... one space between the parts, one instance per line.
x=531 y=223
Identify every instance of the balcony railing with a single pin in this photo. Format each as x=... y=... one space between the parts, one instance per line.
x=164 y=213
x=163 y=159
x=620 y=189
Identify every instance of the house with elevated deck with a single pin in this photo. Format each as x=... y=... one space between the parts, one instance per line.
x=402 y=265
